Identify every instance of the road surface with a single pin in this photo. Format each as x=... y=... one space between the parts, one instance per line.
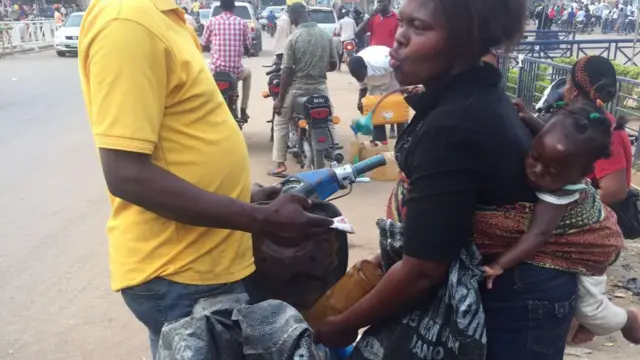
x=55 y=298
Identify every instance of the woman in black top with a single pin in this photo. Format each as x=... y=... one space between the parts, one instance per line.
x=464 y=148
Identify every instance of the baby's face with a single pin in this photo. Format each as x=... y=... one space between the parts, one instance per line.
x=550 y=165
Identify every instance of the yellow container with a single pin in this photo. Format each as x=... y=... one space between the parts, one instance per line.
x=392 y=110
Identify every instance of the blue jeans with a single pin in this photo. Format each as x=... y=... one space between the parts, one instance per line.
x=528 y=312
x=160 y=301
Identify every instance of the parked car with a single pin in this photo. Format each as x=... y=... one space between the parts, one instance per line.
x=327 y=21
x=65 y=40
x=262 y=17
x=245 y=11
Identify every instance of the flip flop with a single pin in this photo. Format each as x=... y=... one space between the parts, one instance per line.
x=278 y=173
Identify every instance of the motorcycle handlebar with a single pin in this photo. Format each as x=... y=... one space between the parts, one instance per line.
x=369 y=164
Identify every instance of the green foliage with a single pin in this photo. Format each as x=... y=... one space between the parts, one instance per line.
x=625 y=71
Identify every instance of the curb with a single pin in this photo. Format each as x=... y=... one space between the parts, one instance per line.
x=26 y=50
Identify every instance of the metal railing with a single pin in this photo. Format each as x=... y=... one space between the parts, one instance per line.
x=530 y=35
x=621 y=50
x=23 y=35
x=526 y=78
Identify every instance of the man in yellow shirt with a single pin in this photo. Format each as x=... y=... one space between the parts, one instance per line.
x=175 y=163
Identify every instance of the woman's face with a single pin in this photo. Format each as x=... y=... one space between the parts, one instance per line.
x=570 y=91
x=419 y=55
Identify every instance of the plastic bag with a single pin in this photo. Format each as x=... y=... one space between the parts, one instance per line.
x=450 y=325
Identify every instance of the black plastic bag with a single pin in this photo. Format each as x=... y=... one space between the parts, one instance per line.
x=450 y=325
x=628 y=213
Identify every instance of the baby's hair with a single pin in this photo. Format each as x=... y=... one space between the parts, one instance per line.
x=588 y=125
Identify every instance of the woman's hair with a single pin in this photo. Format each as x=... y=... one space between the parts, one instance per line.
x=595 y=78
x=587 y=126
x=474 y=27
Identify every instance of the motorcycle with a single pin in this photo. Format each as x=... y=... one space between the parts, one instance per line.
x=630 y=25
x=271 y=28
x=310 y=140
x=349 y=50
x=228 y=86
x=585 y=27
x=302 y=274
x=273 y=86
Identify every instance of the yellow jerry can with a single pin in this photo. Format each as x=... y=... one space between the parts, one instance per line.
x=392 y=110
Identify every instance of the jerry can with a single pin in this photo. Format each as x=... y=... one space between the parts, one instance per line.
x=351 y=288
x=392 y=110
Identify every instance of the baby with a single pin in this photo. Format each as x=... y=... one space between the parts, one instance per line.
x=561 y=156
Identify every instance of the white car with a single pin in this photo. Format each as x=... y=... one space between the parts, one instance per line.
x=65 y=41
x=327 y=21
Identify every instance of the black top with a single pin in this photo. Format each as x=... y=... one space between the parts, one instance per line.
x=465 y=147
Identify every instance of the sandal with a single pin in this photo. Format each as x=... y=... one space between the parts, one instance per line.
x=280 y=172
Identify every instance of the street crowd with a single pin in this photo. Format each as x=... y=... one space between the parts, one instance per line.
x=523 y=211
x=618 y=18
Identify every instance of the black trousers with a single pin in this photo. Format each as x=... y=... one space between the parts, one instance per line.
x=380 y=131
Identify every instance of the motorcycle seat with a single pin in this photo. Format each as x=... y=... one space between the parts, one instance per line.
x=302 y=103
x=226 y=77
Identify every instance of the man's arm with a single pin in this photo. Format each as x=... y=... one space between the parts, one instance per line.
x=286 y=78
x=127 y=95
x=364 y=26
x=333 y=57
x=247 y=37
x=434 y=231
x=126 y=70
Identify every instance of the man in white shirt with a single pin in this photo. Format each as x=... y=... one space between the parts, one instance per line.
x=346 y=29
x=370 y=67
x=284 y=29
x=580 y=16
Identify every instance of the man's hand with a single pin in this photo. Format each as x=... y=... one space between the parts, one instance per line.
x=277 y=106
x=492 y=271
x=286 y=216
x=360 y=108
x=261 y=193
x=412 y=90
x=332 y=333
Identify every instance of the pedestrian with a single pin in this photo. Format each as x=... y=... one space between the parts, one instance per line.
x=57 y=16
x=371 y=68
x=175 y=163
x=284 y=29
x=230 y=38
x=464 y=148
x=381 y=25
x=309 y=54
x=592 y=84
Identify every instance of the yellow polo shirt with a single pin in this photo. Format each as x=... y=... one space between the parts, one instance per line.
x=147 y=90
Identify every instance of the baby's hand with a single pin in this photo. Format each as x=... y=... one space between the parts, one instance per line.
x=491 y=272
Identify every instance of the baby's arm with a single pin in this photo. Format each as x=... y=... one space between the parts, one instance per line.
x=546 y=218
x=594 y=309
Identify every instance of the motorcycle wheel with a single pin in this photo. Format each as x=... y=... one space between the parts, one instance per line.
x=315 y=158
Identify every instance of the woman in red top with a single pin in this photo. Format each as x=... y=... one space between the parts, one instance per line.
x=593 y=78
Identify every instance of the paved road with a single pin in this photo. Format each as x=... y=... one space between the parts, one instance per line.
x=55 y=296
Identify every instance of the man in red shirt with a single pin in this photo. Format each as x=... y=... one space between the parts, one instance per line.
x=382 y=25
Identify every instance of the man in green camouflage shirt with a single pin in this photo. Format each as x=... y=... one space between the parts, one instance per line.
x=308 y=55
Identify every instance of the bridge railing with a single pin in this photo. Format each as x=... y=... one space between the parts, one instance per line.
x=22 y=35
x=526 y=78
